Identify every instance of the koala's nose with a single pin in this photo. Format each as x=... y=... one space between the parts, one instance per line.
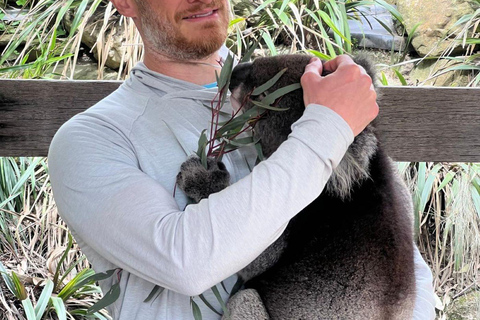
x=240 y=74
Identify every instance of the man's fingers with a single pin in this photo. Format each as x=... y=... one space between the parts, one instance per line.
x=315 y=65
x=312 y=73
x=334 y=64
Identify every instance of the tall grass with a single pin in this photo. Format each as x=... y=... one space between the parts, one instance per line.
x=36 y=251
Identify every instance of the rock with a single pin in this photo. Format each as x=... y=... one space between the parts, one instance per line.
x=466 y=307
x=370 y=33
x=436 y=18
x=91 y=34
x=427 y=68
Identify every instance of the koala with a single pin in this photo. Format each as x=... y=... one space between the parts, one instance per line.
x=349 y=254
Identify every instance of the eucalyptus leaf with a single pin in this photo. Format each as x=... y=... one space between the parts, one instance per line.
x=270 y=83
x=197 y=314
x=110 y=297
x=269 y=99
x=208 y=304
x=262 y=105
x=156 y=291
x=220 y=300
x=97 y=277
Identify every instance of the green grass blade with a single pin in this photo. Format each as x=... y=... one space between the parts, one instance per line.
x=44 y=299
x=28 y=308
x=269 y=41
x=59 y=307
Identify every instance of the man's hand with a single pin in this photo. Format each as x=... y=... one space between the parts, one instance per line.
x=347 y=90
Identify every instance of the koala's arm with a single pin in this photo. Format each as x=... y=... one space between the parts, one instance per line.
x=246 y=305
x=198 y=182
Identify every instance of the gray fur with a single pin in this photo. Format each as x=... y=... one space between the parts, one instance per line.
x=198 y=182
x=246 y=305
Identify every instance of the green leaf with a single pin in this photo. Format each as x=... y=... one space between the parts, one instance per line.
x=224 y=79
x=6 y=277
x=28 y=307
x=267 y=106
x=269 y=99
x=202 y=145
x=59 y=307
x=72 y=286
x=239 y=121
x=320 y=55
x=110 y=297
x=267 y=85
x=220 y=300
x=96 y=277
x=60 y=262
x=197 y=314
x=450 y=175
x=262 y=6
x=208 y=304
x=44 y=299
x=20 y=291
x=270 y=44
x=384 y=80
x=332 y=26
x=235 y=21
x=247 y=56
x=400 y=77
x=156 y=291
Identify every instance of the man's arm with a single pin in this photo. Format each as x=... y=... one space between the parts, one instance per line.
x=132 y=221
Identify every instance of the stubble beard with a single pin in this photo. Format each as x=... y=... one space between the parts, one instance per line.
x=163 y=38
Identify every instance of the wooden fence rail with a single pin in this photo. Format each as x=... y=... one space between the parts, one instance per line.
x=416 y=123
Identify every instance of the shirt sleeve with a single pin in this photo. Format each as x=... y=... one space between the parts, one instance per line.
x=425 y=297
x=131 y=220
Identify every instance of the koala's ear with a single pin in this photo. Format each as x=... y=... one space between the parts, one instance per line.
x=240 y=74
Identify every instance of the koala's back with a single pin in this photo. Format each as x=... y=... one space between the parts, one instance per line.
x=350 y=259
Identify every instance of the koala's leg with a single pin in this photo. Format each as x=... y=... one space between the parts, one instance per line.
x=246 y=305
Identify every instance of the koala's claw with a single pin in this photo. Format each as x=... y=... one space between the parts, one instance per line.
x=198 y=182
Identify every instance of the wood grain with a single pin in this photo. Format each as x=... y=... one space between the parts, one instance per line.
x=415 y=123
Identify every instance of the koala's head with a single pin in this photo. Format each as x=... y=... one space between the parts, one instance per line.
x=275 y=126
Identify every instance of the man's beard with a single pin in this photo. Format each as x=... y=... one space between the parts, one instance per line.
x=166 y=40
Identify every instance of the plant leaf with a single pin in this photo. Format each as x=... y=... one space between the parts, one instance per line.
x=59 y=307
x=110 y=297
x=267 y=85
x=156 y=291
x=197 y=314
x=44 y=299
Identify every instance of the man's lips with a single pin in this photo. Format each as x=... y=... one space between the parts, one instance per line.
x=203 y=14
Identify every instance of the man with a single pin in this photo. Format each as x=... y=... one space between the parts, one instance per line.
x=113 y=167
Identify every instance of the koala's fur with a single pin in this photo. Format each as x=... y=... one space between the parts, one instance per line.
x=349 y=254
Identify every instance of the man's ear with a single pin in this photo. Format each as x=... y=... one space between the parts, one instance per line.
x=127 y=8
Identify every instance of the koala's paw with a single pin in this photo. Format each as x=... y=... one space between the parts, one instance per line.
x=246 y=305
x=198 y=182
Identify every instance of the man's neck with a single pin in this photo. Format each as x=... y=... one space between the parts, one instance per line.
x=200 y=72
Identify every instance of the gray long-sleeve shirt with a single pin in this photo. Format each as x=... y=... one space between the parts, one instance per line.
x=113 y=170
